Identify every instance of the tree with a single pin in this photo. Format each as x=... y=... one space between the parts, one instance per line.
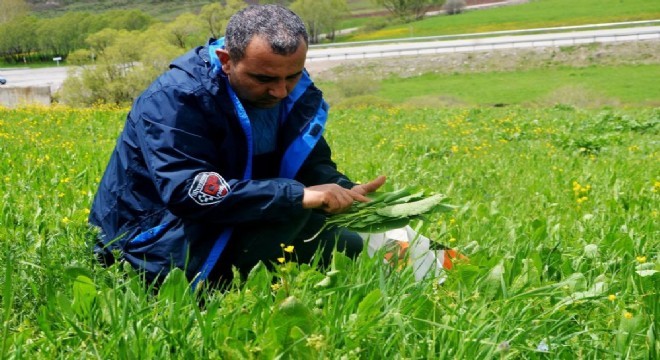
x=216 y=16
x=185 y=31
x=17 y=38
x=125 y=67
x=11 y=9
x=408 y=9
x=320 y=16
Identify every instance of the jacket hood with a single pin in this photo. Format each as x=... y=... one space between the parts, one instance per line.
x=197 y=64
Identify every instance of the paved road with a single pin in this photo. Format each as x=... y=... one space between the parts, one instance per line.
x=481 y=44
x=21 y=77
x=54 y=77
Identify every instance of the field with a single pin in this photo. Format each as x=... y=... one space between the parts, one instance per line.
x=534 y=14
x=558 y=212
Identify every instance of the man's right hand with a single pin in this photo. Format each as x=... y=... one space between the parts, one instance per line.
x=335 y=199
x=331 y=198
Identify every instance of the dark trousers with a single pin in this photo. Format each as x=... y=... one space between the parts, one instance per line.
x=265 y=242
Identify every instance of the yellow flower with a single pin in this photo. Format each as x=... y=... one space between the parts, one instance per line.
x=289 y=249
x=276 y=286
x=451 y=240
x=281 y=260
x=612 y=297
x=641 y=259
x=628 y=315
x=66 y=220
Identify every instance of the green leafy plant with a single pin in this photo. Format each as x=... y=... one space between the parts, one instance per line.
x=389 y=210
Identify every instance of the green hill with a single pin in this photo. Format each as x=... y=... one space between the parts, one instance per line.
x=161 y=9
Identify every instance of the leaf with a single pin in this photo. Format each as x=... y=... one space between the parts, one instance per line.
x=84 y=293
x=369 y=308
x=382 y=226
x=645 y=273
x=411 y=208
x=289 y=314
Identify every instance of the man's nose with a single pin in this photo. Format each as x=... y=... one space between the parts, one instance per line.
x=279 y=90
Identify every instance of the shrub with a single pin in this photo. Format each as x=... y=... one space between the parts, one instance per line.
x=453 y=7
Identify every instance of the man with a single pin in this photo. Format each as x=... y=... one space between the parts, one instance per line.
x=222 y=160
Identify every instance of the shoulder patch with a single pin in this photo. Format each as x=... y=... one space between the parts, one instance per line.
x=208 y=188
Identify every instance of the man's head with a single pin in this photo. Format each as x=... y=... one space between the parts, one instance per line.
x=264 y=56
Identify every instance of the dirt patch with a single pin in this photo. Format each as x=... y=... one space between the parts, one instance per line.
x=610 y=54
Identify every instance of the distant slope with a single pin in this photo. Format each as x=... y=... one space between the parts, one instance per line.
x=161 y=9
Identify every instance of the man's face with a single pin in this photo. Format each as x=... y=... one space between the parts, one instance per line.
x=262 y=78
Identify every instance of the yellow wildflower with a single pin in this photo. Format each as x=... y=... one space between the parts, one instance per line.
x=612 y=297
x=628 y=315
x=641 y=259
x=289 y=249
x=281 y=260
x=276 y=286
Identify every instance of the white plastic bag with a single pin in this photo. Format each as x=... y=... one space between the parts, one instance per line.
x=425 y=262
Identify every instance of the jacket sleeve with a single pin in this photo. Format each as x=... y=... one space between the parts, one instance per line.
x=183 y=162
x=320 y=169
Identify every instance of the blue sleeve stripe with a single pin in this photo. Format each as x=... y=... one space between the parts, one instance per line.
x=145 y=236
x=214 y=255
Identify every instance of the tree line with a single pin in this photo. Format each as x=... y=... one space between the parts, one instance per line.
x=119 y=52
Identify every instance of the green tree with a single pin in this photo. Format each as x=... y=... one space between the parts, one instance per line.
x=408 y=9
x=279 y=2
x=185 y=31
x=61 y=35
x=11 y=9
x=320 y=16
x=127 y=19
x=123 y=69
x=215 y=16
x=17 y=38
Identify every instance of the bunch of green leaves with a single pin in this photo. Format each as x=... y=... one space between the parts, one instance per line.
x=389 y=210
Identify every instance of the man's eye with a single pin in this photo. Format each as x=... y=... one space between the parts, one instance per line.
x=264 y=79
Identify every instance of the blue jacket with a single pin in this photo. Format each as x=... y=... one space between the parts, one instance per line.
x=180 y=175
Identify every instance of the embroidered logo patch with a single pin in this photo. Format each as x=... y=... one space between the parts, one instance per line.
x=208 y=188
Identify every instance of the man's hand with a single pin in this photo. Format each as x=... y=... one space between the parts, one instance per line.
x=371 y=186
x=335 y=199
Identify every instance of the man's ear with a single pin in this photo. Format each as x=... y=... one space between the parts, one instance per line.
x=225 y=60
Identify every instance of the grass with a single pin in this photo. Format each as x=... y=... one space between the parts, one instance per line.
x=588 y=86
x=558 y=211
x=535 y=14
x=631 y=85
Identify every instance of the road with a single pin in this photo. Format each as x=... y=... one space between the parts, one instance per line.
x=321 y=57
x=22 y=77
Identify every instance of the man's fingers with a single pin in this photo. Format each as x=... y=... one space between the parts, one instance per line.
x=371 y=186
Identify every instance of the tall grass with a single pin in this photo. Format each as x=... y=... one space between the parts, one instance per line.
x=558 y=213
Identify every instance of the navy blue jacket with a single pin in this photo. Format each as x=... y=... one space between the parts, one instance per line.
x=180 y=174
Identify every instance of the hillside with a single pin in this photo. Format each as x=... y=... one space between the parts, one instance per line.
x=161 y=9
x=169 y=9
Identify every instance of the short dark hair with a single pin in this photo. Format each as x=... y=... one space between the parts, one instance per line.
x=281 y=27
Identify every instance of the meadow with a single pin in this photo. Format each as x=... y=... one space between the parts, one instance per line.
x=530 y=15
x=557 y=210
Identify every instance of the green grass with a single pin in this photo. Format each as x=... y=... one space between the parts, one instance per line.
x=630 y=85
x=535 y=14
x=539 y=84
x=558 y=211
